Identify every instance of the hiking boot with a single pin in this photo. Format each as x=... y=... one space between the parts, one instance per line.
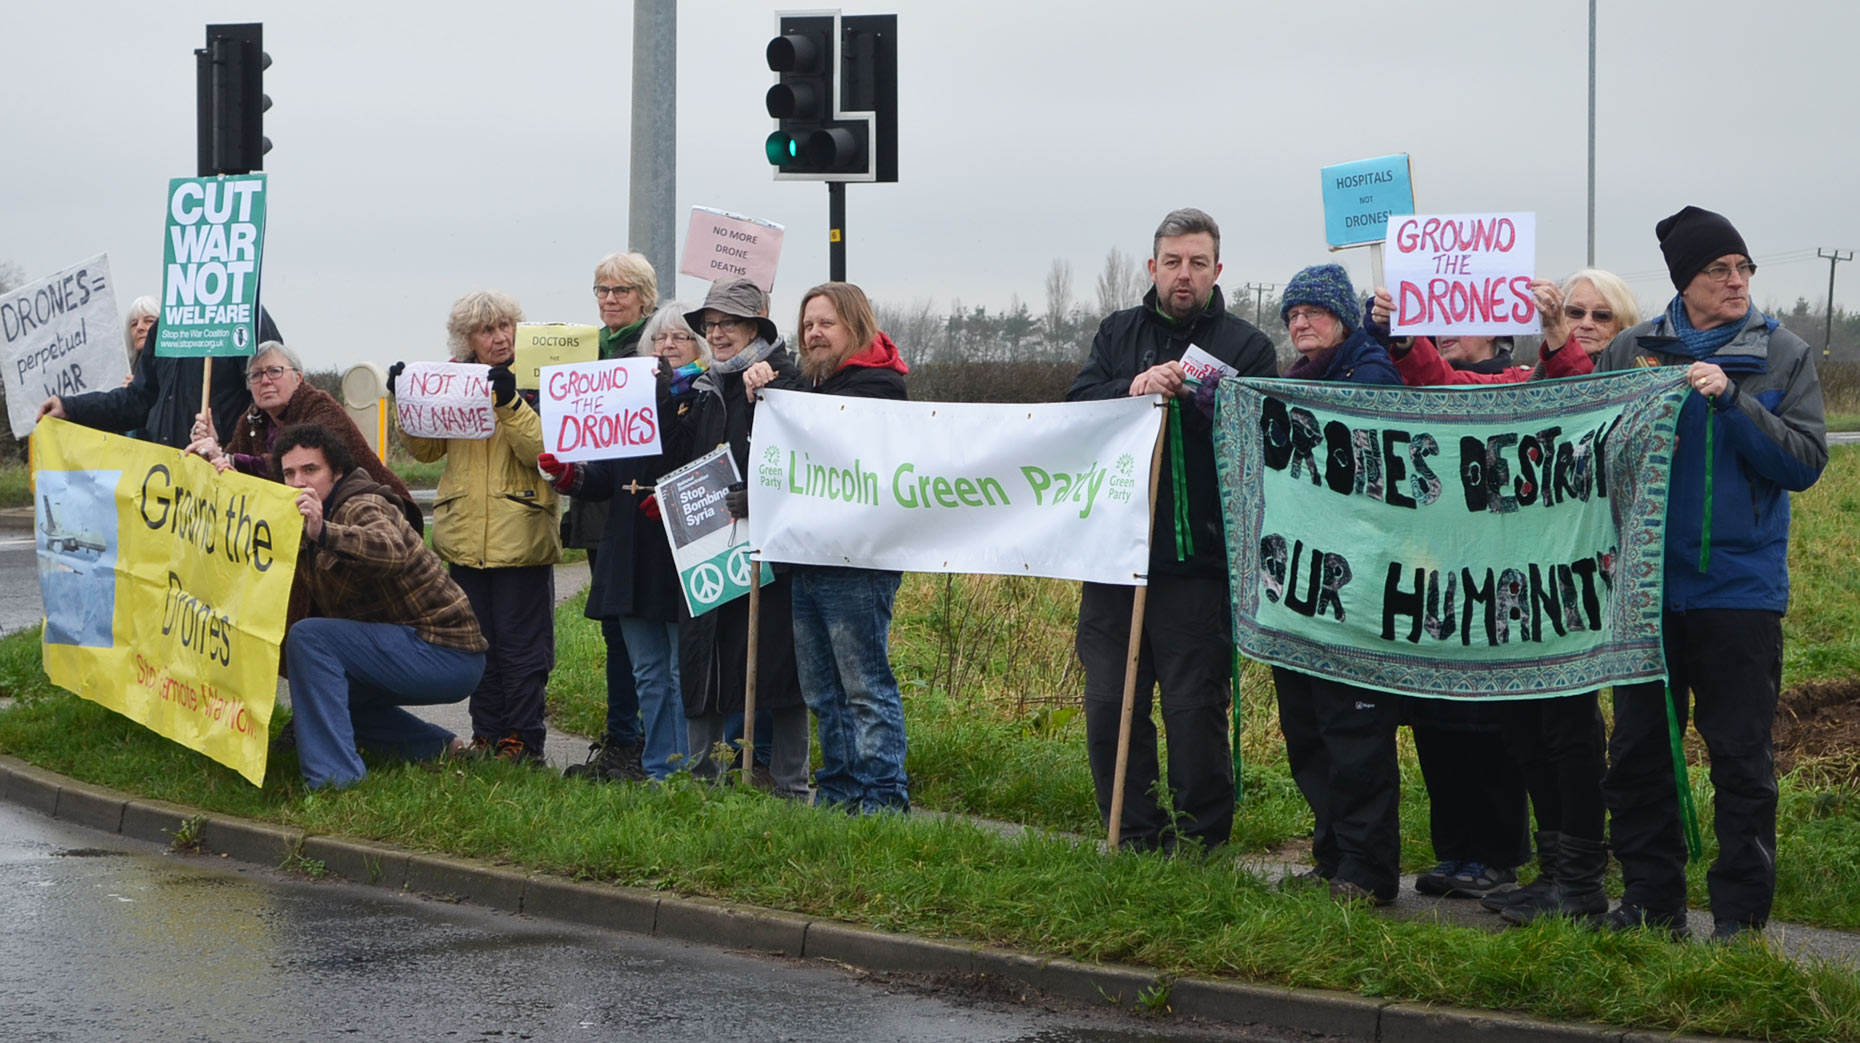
x=1537 y=892
x=1724 y=932
x=1311 y=879
x=1629 y=916
x=287 y=737
x=1351 y=893
x=609 y=762
x=515 y=750
x=761 y=777
x=1435 y=880
x=1476 y=880
x=1578 y=892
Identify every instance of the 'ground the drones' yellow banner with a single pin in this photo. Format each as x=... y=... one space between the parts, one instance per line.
x=165 y=587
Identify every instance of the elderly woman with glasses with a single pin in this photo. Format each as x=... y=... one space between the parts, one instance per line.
x=1586 y=311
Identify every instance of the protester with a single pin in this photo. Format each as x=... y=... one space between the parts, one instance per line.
x=1187 y=644
x=390 y=628
x=1754 y=433
x=136 y=325
x=626 y=290
x=635 y=587
x=1339 y=738
x=494 y=522
x=161 y=402
x=842 y=615
x=747 y=354
x=1588 y=309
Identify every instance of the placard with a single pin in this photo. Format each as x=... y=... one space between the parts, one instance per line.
x=1463 y=274
x=444 y=400
x=1203 y=368
x=601 y=410
x=711 y=548
x=60 y=336
x=722 y=245
x=542 y=344
x=1360 y=197
x=211 y=254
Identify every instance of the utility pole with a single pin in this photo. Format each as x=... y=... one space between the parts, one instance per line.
x=653 y=178
x=1259 y=298
x=1591 y=263
x=1833 y=257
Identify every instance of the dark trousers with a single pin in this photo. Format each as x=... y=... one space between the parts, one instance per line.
x=1187 y=651
x=1475 y=793
x=622 y=696
x=516 y=611
x=1560 y=748
x=1729 y=663
x=1340 y=742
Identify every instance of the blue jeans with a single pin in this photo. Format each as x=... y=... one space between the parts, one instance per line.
x=842 y=630
x=622 y=695
x=653 y=648
x=349 y=681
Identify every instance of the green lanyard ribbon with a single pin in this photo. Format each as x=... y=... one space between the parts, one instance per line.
x=1688 y=812
x=1178 y=483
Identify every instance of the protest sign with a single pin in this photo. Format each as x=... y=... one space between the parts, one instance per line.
x=1463 y=274
x=1360 y=197
x=722 y=245
x=1203 y=368
x=1058 y=489
x=60 y=336
x=211 y=264
x=1499 y=543
x=444 y=400
x=710 y=548
x=542 y=344
x=165 y=586
x=601 y=410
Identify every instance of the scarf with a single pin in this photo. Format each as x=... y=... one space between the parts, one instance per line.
x=1313 y=366
x=757 y=351
x=686 y=375
x=1701 y=344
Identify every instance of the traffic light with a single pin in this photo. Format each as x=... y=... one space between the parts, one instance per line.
x=230 y=100
x=835 y=98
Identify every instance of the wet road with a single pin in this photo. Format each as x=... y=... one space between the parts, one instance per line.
x=107 y=938
x=19 y=580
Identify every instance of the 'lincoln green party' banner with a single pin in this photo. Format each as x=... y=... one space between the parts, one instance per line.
x=1497 y=543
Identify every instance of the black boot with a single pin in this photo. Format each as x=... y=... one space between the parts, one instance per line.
x=1538 y=892
x=1578 y=893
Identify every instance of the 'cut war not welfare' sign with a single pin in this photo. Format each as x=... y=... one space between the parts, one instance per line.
x=1462 y=274
x=1497 y=543
x=60 y=336
x=211 y=254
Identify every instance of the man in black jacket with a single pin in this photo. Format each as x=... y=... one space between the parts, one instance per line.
x=1187 y=636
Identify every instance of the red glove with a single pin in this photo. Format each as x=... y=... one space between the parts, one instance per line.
x=561 y=475
x=650 y=506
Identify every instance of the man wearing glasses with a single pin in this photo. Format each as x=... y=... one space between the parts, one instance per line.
x=1752 y=434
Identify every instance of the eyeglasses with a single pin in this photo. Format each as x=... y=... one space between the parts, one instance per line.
x=664 y=335
x=1721 y=272
x=728 y=322
x=1310 y=315
x=1577 y=314
x=612 y=291
x=271 y=373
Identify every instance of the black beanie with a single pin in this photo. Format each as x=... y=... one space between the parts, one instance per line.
x=1693 y=239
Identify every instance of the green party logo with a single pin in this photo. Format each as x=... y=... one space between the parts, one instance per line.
x=770 y=474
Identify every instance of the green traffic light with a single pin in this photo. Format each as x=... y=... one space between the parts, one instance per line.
x=781 y=149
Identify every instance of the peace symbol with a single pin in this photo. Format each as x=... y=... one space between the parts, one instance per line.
x=706 y=582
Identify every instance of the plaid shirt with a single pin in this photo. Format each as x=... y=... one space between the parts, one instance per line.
x=370 y=565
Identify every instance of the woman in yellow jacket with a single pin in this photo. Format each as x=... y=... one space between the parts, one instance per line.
x=494 y=522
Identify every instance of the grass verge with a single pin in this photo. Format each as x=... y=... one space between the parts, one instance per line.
x=15 y=485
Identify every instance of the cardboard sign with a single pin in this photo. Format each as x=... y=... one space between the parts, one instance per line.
x=1203 y=368
x=722 y=245
x=444 y=400
x=710 y=548
x=1463 y=274
x=542 y=344
x=1360 y=197
x=60 y=336
x=601 y=410
x=214 y=242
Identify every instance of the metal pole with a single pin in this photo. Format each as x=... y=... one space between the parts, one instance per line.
x=836 y=231
x=1591 y=263
x=1833 y=258
x=653 y=176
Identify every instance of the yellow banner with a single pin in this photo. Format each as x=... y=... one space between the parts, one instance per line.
x=165 y=586
x=542 y=344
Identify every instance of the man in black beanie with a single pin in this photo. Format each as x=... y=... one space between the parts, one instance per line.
x=1757 y=421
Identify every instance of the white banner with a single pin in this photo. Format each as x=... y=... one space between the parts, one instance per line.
x=60 y=336
x=444 y=400
x=1056 y=489
x=601 y=410
x=1462 y=274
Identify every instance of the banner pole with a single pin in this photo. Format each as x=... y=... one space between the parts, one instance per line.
x=206 y=391
x=1138 y=603
x=749 y=670
x=1375 y=266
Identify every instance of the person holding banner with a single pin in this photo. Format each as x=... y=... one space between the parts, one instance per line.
x=494 y=523
x=1187 y=646
x=626 y=290
x=1754 y=433
x=746 y=354
x=1587 y=310
x=391 y=628
x=137 y=323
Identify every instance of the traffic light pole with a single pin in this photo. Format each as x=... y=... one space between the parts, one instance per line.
x=836 y=231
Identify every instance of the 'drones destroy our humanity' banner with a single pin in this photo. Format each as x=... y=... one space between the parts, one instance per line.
x=1057 y=490
x=165 y=586
x=1497 y=543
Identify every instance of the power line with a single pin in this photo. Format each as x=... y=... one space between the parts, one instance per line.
x=1833 y=258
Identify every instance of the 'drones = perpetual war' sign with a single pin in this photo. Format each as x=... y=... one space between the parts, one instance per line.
x=211 y=254
x=165 y=585
x=1056 y=490
x=59 y=336
x=1499 y=543
x=444 y=400
x=1462 y=273
x=601 y=410
x=710 y=548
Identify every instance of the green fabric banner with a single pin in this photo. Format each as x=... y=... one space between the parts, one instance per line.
x=1495 y=543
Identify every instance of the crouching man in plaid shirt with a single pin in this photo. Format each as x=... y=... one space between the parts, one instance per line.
x=387 y=628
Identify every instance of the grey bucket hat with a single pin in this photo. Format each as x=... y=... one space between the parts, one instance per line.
x=741 y=298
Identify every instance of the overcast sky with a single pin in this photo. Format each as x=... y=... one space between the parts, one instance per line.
x=424 y=150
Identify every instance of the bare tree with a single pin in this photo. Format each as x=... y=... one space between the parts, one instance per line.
x=1058 y=304
x=1122 y=283
x=11 y=276
x=917 y=329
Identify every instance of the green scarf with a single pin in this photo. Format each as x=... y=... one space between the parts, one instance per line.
x=612 y=339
